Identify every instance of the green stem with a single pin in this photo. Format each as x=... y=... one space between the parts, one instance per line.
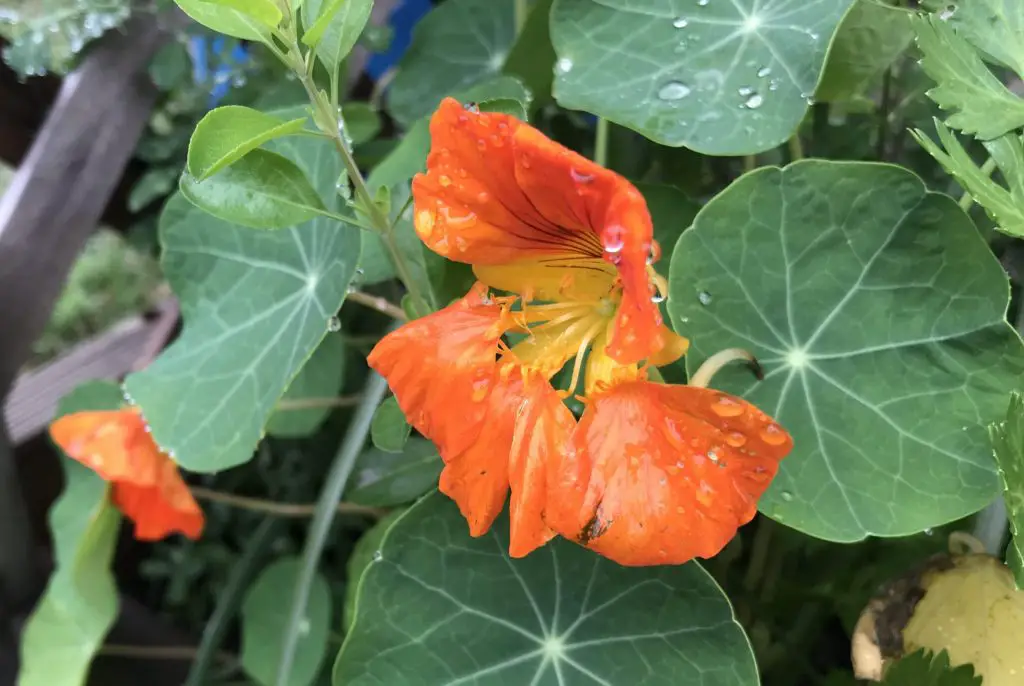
x=230 y=597
x=320 y=526
x=521 y=10
x=601 y=142
x=966 y=200
x=749 y=163
x=796 y=148
x=758 y=554
x=329 y=121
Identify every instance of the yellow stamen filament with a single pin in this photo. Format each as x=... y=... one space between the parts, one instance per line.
x=543 y=313
x=716 y=362
x=595 y=329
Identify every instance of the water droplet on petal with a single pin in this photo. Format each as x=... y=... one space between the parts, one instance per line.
x=704 y=297
x=613 y=242
x=681 y=23
x=333 y=324
x=727 y=407
x=471 y=107
x=445 y=181
x=580 y=177
x=674 y=90
x=754 y=101
x=735 y=439
x=658 y=297
x=773 y=435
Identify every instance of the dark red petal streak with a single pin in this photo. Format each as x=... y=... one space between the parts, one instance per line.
x=663 y=474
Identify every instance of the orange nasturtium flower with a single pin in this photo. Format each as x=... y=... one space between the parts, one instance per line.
x=145 y=483
x=651 y=473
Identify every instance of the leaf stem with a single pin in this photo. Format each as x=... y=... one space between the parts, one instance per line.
x=758 y=554
x=293 y=510
x=966 y=200
x=293 y=404
x=377 y=303
x=714 y=364
x=796 y=148
x=521 y=11
x=749 y=163
x=601 y=142
x=320 y=526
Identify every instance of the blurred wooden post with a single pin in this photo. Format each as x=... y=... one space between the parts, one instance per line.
x=49 y=211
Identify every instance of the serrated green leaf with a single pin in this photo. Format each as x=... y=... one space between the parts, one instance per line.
x=923 y=668
x=981 y=104
x=223 y=19
x=388 y=478
x=721 y=78
x=256 y=305
x=870 y=38
x=227 y=134
x=457 y=45
x=262 y=190
x=79 y=605
x=995 y=27
x=319 y=379
x=337 y=28
x=389 y=429
x=1006 y=208
x=265 y=618
x=263 y=11
x=560 y=615
x=878 y=312
x=362 y=555
x=532 y=58
x=1008 y=442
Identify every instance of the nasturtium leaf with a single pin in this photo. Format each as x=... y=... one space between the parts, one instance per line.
x=458 y=44
x=870 y=38
x=924 y=668
x=995 y=27
x=532 y=58
x=223 y=19
x=722 y=77
x=262 y=190
x=336 y=29
x=256 y=305
x=79 y=605
x=980 y=103
x=226 y=134
x=265 y=619
x=1005 y=207
x=305 y=405
x=1008 y=441
x=361 y=558
x=385 y=478
x=878 y=313
x=389 y=429
x=263 y=11
x=439 y=607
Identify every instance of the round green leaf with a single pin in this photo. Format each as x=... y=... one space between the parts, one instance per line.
x=723 y=77
x=265 y=618
x=263 y=190
x=458 y=44
x=227 y=134
x=256 y=305
x=879 y=314
x=361 y=558
x=385 y=479
x=389 y=430
x=438 y=607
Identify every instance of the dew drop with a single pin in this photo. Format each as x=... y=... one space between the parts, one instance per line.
x=613 y=242
x=681 y=23
x=658 y=297
x=564 y=65
x=702 y=3
x=763 y=72
x=445 y=181
x=735 y=439
x=471 y=107
x=787 y=496
x=377 y=556
x=713 y=456
x=674 y=90
x=947 y=13
x=580 y=177
x=773 y=435
x=745 y=90
x=704 y=297
x=727 y=407
x=929 y=532
x=333 y=324
x=754 y=101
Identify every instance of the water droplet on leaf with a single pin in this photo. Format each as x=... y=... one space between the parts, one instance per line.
x=674 y=90
x=754 y=101
x=333 y=324
x=763 y=72
x=787 y=496
x=704 y=297
x=564 y=65
x=681 y=23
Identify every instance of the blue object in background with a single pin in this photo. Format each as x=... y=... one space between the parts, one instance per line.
x=223 y=71
x=403 y=19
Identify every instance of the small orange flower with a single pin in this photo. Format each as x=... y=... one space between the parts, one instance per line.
x=652 y=473
x=145 y=483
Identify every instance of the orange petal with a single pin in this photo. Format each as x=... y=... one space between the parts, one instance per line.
x=161 y=509
x=442 y=368
x=543 y=431
x=147 y=486
x=663 y=474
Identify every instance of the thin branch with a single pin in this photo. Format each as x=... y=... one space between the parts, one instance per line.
x=293 y=404
x=377 y=303
x=297 y=510
x=158 y=652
